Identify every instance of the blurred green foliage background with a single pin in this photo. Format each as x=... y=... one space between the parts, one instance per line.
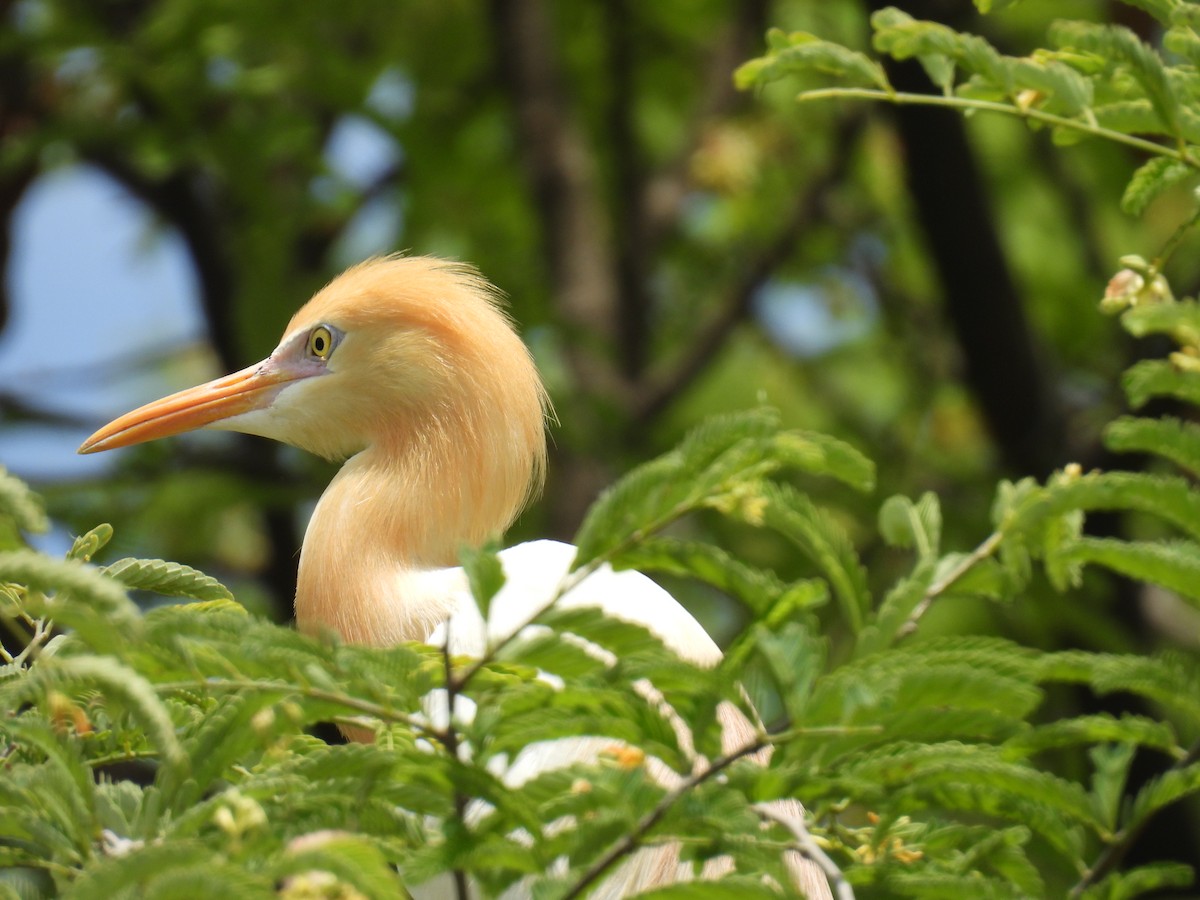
x=920 y=284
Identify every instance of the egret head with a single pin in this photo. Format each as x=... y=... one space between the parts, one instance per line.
x=410 y=357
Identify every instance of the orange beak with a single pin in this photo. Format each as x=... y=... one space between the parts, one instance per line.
x=242 y=392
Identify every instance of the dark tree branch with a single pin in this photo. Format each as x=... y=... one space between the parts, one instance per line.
x=633 y=298
x=981 y=299
x=558 y=164
x=707 y=343
x=1001 y=362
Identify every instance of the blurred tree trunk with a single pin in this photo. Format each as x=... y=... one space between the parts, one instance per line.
x=1002 y=362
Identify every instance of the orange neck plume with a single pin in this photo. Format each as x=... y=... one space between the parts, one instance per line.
x=447 y=465
x=391 y=515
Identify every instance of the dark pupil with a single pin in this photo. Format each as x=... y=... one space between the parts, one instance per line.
x=319 y=344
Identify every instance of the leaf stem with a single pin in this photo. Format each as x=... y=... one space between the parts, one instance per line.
x=809 y=849
x=129 y=756
x=632 y=840
x=1173 y=243
x=42 y=629
x=1116 y=849
x=450 y=741
x=965 y=104
x=939 y=587
x=366 y=707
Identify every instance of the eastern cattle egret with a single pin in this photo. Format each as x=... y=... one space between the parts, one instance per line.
x=409 y=369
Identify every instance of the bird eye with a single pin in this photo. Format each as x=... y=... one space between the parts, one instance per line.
x=320 y=342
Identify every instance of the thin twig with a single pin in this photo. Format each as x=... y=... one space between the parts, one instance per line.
x=42 y=629
x=114 y=758
x=939 y=587
x=963 y=104
x=450 y=740
x=1116 y=849
x=366 y=707
x=809 y=848
x=1174 y=241
x=632 y=840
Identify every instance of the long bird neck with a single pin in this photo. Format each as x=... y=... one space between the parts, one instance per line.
x=393 y=519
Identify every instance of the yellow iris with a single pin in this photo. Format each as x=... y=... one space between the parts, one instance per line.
x=320 y=342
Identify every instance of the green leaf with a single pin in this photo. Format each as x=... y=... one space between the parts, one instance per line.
x=1168 y=437
x=1060 y=534
x=990 y=6
x=1168 y=788
x=940 y=70
x=901 y=36
x=117 y=682
x=820 y=454
x=896 y=609
x=485 y=575
x=1121 y=47
x=1150 y=180
x=1155 y=378
x=722 y=464
x=167 y=578
x=795 y=658
x=760 y=590
x=74 y=595
x=974 y=779
x=22 y=882
x=912 y=525
x=1141 y=880
x=1181 y=39
x=986 y=578
x=1130 y=117
x=1059 y=88
x=1169 y=498
x=1168 y=680
x=801 y=52
x=88 y=545
x=222 y=738
x=624 y=640
x=1180 y=320
x=1100 y=728
x=70 y=782
x=47 y=575
x=721 y=455
x=969 y=689
x=354 y=860
x=166 y=871
x=1111 y=764
x=1174 y=565
x=21 y=504
x=815 y=532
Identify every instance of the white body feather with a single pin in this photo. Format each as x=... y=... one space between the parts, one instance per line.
x=533 y=573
